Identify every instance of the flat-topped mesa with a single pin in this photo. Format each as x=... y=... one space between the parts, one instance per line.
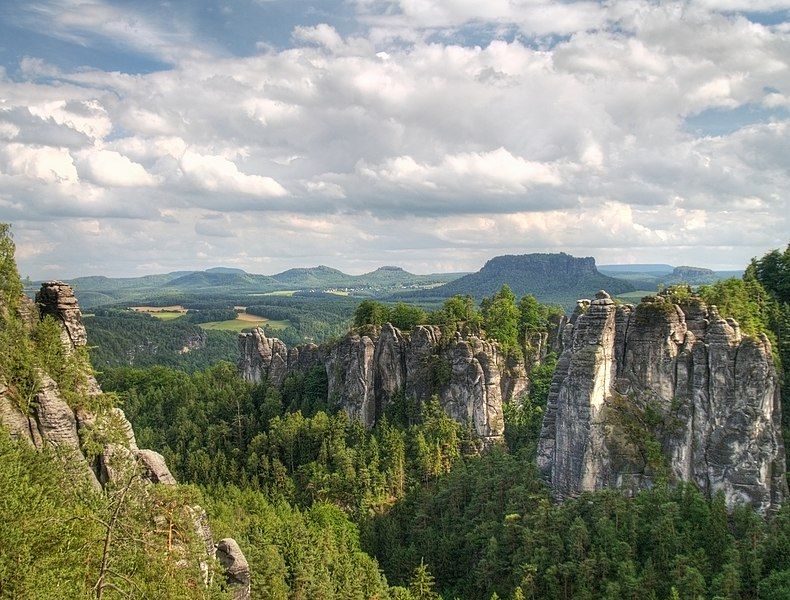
x=367 y=368
x=677 y=378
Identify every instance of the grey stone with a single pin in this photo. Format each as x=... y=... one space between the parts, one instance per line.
x=155 y=468
x=367 y=368
x=236 y=568
x=716 y=390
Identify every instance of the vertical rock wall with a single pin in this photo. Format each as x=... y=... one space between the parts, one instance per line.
x=367 y=369
x=703 y=392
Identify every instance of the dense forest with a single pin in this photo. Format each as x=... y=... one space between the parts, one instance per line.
x=408 y=510
x=440 y=519
x=120 y=337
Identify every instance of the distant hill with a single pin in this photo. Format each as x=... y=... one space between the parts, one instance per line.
x=552 y=278
x=650 y=276
x=226 y=270
x=655 y=269
x=388 y=274
x=313 y=277
x=220 y=279
x=240 y=287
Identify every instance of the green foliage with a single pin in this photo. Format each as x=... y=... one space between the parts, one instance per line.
x=306 y=392
x=406 y=316
x=10 y=283
x=439 y=371
x=773 y=271
x=371 y=312
x=533 y=316
x=422 y=584
x=53 y=530
x=489 y=527
x=293 y=553
x=455 y=312
x=745 y=300
x=501 y=318
x=214 y=428
x=124 y=338
x=403 y=316
x=524 y=416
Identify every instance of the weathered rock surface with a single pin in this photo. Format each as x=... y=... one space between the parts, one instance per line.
x=711 y=394
x=237 y=570
x=155 y=468
x=367 y=369
x=57 y=300
x=53 y=423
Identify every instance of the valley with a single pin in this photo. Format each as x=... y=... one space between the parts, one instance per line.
x=370 y=432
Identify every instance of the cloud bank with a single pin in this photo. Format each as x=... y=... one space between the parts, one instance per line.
x=430 y=134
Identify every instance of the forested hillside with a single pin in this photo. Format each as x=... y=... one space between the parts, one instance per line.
x=125 y=338
x=409 y=509
x=441 y=519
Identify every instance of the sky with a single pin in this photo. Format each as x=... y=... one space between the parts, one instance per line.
x=141 y=137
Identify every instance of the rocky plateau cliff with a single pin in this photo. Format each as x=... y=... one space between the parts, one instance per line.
x=663 y=391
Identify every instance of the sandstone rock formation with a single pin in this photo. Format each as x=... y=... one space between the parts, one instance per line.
x=53 y=423
x=237 y=571
x=662 y=390
x=366 y=369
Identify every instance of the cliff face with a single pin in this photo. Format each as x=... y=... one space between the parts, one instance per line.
x=470 y=376
x=51 y=422
x=663 y=391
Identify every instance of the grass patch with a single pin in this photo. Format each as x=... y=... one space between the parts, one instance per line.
x=635 y=297
x=240 y=324
x=166 y=313
x=287 y=293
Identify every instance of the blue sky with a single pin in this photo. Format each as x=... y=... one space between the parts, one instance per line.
x=145 y=136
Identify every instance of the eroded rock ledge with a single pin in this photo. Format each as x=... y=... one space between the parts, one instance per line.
x=682 y=378
x=366 y=369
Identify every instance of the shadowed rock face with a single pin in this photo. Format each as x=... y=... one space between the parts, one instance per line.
x=366 y=369
x=711 y=394
x=53 y=423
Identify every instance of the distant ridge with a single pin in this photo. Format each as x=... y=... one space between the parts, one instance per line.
x=553 y=278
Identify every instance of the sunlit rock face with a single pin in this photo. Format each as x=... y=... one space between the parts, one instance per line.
x=367 y=369
x=663 y=391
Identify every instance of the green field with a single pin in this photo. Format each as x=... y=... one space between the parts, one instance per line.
x=240 y=324
x=166 y=315
x=635 y=297
x=287 y=293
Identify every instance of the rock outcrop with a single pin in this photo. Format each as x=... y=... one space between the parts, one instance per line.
x=668 y=391
x=368 y=368
x=237 y=571
x=51 y=422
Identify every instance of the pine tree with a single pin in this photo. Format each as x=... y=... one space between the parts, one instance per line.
x=422 y=585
